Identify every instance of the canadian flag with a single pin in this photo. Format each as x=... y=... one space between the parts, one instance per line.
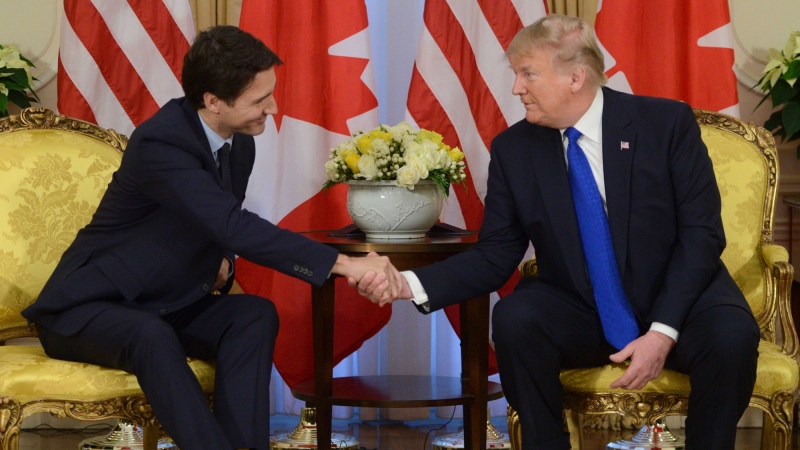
x=325 y=92
x=679 y=49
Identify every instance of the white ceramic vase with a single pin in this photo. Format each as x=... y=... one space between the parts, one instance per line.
x=383 y=210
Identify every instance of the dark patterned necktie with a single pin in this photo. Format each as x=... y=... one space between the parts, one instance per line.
x=616 y=313
x=224 y=155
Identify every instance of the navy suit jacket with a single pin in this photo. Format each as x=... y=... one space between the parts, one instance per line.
x=663 y=210
x=163 y=226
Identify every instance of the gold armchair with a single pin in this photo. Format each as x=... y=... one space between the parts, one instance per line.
x=746 y=166
x=53 y=172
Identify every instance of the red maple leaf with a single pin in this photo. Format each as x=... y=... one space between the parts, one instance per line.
x=313 y=86
x=655 y=44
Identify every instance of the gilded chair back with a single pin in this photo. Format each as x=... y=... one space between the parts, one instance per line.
x=53 y=172
x=746 y=167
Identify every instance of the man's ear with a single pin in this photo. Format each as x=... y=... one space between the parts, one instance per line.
x=578 y=79
x=211 y=102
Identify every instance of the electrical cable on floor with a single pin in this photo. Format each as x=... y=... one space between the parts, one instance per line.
x=425 y=444
x=96 y=428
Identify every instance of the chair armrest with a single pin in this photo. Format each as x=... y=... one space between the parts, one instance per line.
x=777 y=259
x=529 y=268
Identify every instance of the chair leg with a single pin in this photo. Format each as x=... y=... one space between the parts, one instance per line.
x=776 y=433
x=150 y=438
x=10 y=422
x=514 y=429
x=575 y=427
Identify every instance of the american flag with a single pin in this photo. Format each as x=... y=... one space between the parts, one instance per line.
x=119 y=61
x=461 y=87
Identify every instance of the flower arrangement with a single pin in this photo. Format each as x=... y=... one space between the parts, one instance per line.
x=15 y=79
x=780 y=82
x=396 y=153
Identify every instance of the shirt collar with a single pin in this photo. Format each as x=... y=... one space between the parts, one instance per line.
x=214 y=140
x=590 y=124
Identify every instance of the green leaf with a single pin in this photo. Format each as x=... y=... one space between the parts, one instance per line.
x=781 y=93
x=19 y=99
x=791 y=117
x=793 y=71
x=28 y=61
x=774 y=122
x=3 y=105
x=13 y=85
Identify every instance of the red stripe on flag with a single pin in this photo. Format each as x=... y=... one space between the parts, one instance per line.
x=503 y=18
x=118 y=72
x=70 y=100
x=163 y=30
x=426 y=110
x=448 y=34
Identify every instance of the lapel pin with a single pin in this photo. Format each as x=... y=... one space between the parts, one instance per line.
x=624 y=145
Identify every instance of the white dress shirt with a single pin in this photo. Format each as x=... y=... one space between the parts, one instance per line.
x=591 y=128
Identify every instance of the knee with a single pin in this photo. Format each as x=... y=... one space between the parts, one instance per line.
x=511 y=320
x=735 y=342
x=262 y=315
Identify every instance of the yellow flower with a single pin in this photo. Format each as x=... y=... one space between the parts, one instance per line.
x=456 y=155
x=364 y=144
x=430 y=135
x=352 y=162
x=377 y=133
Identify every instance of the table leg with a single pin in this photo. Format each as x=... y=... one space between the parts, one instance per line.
x=474 y=318
x=322 y=303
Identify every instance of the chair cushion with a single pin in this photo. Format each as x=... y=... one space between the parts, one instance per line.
x=27 y=374
x=51 y=182
x=776 y=371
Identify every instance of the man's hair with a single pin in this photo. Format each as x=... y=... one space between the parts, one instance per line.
x=223 y=61
x=571 y=39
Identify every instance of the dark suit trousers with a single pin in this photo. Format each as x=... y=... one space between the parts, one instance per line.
x=540 y=329
x=238 y=331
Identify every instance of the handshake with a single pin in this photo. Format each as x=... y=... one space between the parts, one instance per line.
x=374 y=276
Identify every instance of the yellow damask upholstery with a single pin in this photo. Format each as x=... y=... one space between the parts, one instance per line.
x=746 y=165
x=53 y=173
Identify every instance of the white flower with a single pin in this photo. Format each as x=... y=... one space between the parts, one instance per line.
x=414 y=161
x=367 y=167
x=408 y=176
x=332 y=170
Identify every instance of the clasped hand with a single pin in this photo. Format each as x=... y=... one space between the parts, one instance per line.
x=375 y=272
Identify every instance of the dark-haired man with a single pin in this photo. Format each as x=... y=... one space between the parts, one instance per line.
x=145 y=284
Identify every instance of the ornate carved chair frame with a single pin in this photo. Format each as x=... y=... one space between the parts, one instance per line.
x=30 y=382
x=765 y=276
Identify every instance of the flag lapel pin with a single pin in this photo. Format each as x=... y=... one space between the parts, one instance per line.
x=624 y=145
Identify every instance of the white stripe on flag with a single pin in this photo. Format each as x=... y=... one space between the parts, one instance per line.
x=490 y=57
x=81 y=68
x=181 y=13
x=529 y=10
x=447 y=88
x=140 y=49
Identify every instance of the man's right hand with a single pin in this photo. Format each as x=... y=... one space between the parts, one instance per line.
x=356 y=268
x=373 y=287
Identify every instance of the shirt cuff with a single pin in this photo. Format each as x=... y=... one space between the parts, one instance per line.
x=420 y=297
x=665 y=329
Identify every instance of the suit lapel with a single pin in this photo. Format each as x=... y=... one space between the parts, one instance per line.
x=619 y=143
x=549 y=166
x=206 y=155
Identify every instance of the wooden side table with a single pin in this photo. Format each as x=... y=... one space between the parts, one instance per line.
x=472 y=390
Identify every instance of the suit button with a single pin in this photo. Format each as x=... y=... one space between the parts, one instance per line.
x=205 y=287
x=163 y=311
x=296 y=268
x=311 y=273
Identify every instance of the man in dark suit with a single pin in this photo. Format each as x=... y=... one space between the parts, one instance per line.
x=145 y=284
x=656 y=192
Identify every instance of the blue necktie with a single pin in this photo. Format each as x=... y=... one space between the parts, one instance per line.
x=616 y=313
x=224 y=156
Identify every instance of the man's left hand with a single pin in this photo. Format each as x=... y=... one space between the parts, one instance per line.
x=222 y=275
x=647 y=354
